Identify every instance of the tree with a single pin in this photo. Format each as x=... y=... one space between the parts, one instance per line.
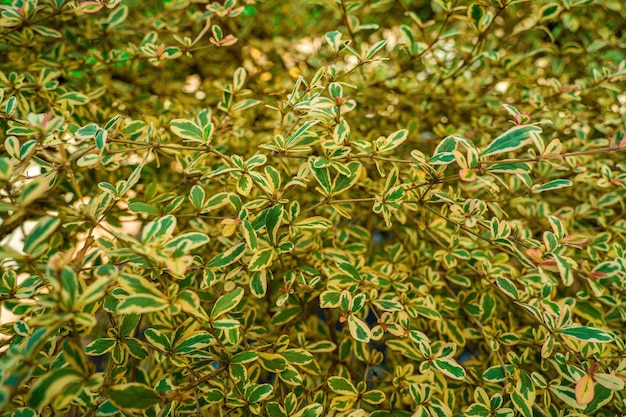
x=347 y=207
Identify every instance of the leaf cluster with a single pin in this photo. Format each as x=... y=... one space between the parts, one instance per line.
x=339 y=208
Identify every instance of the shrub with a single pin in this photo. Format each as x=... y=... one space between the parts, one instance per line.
x=348 y=207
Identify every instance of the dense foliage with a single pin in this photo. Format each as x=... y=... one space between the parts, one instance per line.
x=306 y=208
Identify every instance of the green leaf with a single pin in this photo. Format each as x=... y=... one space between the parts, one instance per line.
x=128 y=325
x=183 y=244
x=135 y=348
x=551 y=185
x=87 y=132
x=213 y=396
x=443 y=158
x=272 y=362
x=101 y=138
x=89 y=160
x=258 y=284
x=145 y=208
x=117 y=16
x=291 y=376
x=5 y=169
x=11 y=106
x=606 y=269
x=74 y=98
x=46 y=31
x=549 y=11
x=158 y=229
x=507 y=286
x=312 y=410
x=589 y=311
x=427 y=312
x=249 y=234
x=194 y=342
x=275 y=410
x=258 y=392
x=228 y=257
x=33 y=190
x=244 y=104
x=565 y=394
x=261 y=259
x=608 y=381
x=524 y=396
x=450 y=368
x=107 y=408
x=313 y=223
x=157 y=339
x=497 y=373
x=297 y=356
x=373 y=49
x=40 y=233
x=322 y=175
x=227 y=302
x=510 y=168
x=141 y=304
x=358 y=329
x=24 y=412
x=393 y=141
x=239 y=78
x=187 y=129
x=245 y=356
x=133 y=396
x=388 y=305
x=244 y=185
x=565 y=266
x=521 y=405
x=373 y=397
x=273 y=220
x=216 y=201
x=330 y=299
x=197 y=196
x=342 y=386
x=138 y=285
x=285 y=315
x=476 y=12
x=587 y=334
x=345 y=182
x=100 y=346
x=511 y=140
x=293 y=140
x=51 y=385
x=477 y=410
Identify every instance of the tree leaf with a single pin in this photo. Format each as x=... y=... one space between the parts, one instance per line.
x=313 y=223
x=141 y=304
x=100 y=346
x=358 y=329
x=187 y=129
x=340 y=385
x=511 y=140
x=450 y=368
x=587 y=334
x=133 y=396
x=551 y=185
x=51 y=385
x=507 y=286
x=227 y=302
x=258 y=392
x=228 y=257
x=312 y=410
x=261 y=259
x=42 y=230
